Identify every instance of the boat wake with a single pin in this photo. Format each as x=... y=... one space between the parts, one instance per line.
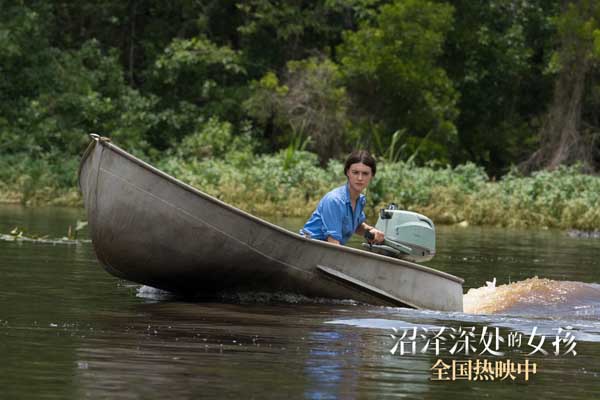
x=152 y=293
x=280 y=297
x=536 y=297
x=535 y=303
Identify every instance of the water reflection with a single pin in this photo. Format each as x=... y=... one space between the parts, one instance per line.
x=216 y=350
x=328 y=369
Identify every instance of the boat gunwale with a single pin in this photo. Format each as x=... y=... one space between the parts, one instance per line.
x=402 y=263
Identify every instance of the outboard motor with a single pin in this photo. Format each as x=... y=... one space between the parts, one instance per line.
x=408 y=235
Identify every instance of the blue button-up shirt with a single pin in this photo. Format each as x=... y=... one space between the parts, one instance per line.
x=334 y=216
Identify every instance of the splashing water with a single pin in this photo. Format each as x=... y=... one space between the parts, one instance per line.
x=152 y=293
x=535 y=296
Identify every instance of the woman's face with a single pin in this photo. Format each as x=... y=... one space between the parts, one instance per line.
x=359 y=175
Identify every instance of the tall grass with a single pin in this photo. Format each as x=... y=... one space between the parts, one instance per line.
x=49 y=179
x=564 y=198
x=291 y=184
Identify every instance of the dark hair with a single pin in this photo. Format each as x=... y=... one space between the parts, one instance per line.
x=360 y=156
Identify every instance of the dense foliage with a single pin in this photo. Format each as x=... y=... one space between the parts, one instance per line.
x=262 y=97
x=291 y=185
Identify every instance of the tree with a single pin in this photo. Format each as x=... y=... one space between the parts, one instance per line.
x=495 y=55
x=565 y=137
x=53 y=94
x=311 y=102
x=391 y=66
x=273 y=32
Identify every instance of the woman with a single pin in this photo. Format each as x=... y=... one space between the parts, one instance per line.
x=340 y=213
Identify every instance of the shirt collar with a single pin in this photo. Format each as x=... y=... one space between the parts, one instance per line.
x=361 y=197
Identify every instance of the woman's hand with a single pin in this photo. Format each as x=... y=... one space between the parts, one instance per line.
x=379 y=236
x=332 y=240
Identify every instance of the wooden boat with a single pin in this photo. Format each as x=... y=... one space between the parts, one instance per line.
x=151 y=228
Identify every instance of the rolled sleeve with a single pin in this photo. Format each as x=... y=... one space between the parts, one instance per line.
x=331 y=216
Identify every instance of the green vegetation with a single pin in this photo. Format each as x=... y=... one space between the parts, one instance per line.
x=291 y=182
x=486 y=112
x=564 y=198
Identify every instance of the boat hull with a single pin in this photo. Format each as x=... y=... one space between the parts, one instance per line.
x=150 y=228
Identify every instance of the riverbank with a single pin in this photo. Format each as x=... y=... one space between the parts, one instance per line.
x=291 y=185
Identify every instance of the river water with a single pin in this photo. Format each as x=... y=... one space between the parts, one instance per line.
x=69 y=330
